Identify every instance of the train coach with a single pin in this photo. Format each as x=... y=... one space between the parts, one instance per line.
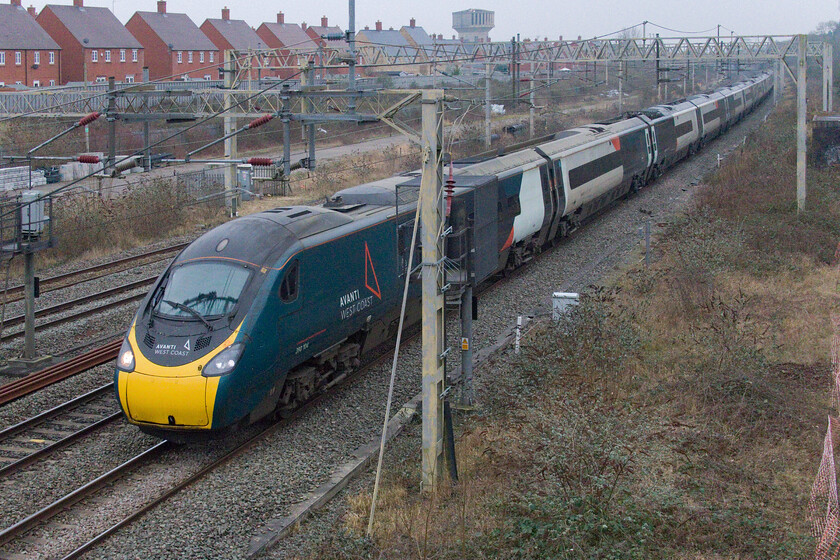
x=257 y=315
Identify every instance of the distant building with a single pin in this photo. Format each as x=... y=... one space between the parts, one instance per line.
x=329 y=46
x=291 y=40
x=175 y=47
x=94 y=44
x=28 y=56
x=234 y=34
x=473 y=26
x=396 y=45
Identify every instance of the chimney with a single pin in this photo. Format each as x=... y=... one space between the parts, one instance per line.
x=561 y=38
x=367 y=28
x=324 y=21
x=31 y=10
x=226 y=13
x=303 y=25
x=281 y=18
x=379 y=26
x=79 y=3
x=161 y=6
x=412 y=23
x=15 y=2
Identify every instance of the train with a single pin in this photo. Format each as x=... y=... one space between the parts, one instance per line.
x=259 y=314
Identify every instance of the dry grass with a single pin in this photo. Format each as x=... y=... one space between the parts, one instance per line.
x=678 y=414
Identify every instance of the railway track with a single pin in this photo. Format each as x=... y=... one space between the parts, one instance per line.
x=15 y=293
x=84 y=313
x=60 y=371
x=47 y=311
x=40 y=520
x=40 y=436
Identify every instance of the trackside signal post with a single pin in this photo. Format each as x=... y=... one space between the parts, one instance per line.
x=431 y=218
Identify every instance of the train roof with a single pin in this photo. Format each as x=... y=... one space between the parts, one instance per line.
x=383 y=192
x=259 y=238
x=590 y=134
x=502 y=165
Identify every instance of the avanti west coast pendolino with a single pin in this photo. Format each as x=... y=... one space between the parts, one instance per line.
x=262 y=312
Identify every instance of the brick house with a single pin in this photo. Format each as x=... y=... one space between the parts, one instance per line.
x=233 y=34
x=28 y=56
x=394 y=44
x=317 y=34
x=94 y=44
x=174 y=46
x=281 y=34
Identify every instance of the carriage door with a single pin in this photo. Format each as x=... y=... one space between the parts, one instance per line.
x=649 y=140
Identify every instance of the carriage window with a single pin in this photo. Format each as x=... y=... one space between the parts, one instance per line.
x=289 y=286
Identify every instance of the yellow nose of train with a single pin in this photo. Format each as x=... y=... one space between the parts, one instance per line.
x=178 y=396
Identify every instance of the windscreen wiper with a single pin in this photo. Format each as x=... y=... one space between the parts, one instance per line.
x=189 y=310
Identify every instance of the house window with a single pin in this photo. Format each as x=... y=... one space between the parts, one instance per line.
x=189 y=57
x=129 y=79
x=52 y=82
x=122 y=55
x=17 y=58
x=211 y=56
x=36 y=83
x=201 y=56
x=208 y=77
x=180 y=57
x=107 y=56
x=133 y=55
x=52 y=57
x=2 y=58
x=101 y=79
x=37 y=57
x=94 y=56
x=2 y=84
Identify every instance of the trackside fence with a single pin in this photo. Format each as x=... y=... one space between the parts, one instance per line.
x=823 y=506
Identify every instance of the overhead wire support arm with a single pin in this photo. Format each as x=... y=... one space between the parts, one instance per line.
x=251 y=125
x=84 y=121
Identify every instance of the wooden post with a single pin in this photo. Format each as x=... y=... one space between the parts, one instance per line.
x=431 y=217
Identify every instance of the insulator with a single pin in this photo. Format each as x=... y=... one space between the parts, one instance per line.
x=87 y=119
x=264 y=161
x=449 y=187
x=260 y=121
x=88 y=159
x=124 y=165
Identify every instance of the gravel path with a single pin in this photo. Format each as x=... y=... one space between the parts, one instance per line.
x=216 y=517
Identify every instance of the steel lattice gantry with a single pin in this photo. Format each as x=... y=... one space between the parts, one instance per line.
x=176 y=103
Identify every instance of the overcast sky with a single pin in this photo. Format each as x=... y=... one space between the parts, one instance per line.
x=529 y=18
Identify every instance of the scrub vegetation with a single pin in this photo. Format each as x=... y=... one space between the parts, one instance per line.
x=676 y=413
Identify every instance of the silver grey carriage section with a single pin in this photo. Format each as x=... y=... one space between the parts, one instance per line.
x=687 y=127
x=591 y=164
x=712 y=112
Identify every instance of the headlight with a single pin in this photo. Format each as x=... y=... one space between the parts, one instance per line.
x=224 y=361
x=125 y=359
